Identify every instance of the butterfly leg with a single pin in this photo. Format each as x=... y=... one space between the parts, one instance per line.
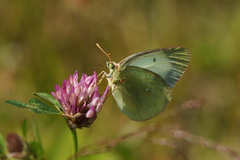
x=115 y=87
x=103 y=73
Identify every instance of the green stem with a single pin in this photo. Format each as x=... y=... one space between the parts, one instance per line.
x=75 y=142
x=38 y=139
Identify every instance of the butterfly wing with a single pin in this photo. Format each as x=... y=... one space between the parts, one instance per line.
x=140 y=94
x=169 y=63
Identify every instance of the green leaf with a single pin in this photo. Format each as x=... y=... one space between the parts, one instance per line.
x=2 y=145
x=50 y=98
x=24 y=128
x=35 y=105
x=41 y=107
x=18 y=104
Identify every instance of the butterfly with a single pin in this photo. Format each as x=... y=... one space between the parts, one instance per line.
x=142 y=83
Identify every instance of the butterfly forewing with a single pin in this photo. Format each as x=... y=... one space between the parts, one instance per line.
x=169 y=63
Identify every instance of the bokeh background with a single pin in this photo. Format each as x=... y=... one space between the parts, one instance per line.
x=43 y=42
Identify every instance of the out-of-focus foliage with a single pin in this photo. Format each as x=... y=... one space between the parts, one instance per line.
x=43 y=42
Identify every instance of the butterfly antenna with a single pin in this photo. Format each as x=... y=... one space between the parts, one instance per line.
x=108 y=55
x=97 y=66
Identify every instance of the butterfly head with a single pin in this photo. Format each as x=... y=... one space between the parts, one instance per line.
x=112 y=66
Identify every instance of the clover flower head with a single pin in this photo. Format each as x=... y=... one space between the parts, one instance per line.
x=80 y=101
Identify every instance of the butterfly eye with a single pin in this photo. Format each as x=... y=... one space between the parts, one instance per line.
x=111 y=66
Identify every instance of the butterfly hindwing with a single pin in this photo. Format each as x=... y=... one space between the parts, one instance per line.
x=140 y=94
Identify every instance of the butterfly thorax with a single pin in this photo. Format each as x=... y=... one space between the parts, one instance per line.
x=114 y=74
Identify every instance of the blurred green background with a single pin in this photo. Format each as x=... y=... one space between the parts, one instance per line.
x=43 y=42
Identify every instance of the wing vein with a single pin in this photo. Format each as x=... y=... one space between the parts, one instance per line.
x=178 y=58
x=179 y=63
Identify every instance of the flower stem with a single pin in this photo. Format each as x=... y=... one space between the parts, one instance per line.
x=75 y=142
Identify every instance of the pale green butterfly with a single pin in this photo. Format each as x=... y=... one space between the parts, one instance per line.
x=141 y=83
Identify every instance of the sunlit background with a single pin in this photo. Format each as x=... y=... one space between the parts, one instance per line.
x=43 y=42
